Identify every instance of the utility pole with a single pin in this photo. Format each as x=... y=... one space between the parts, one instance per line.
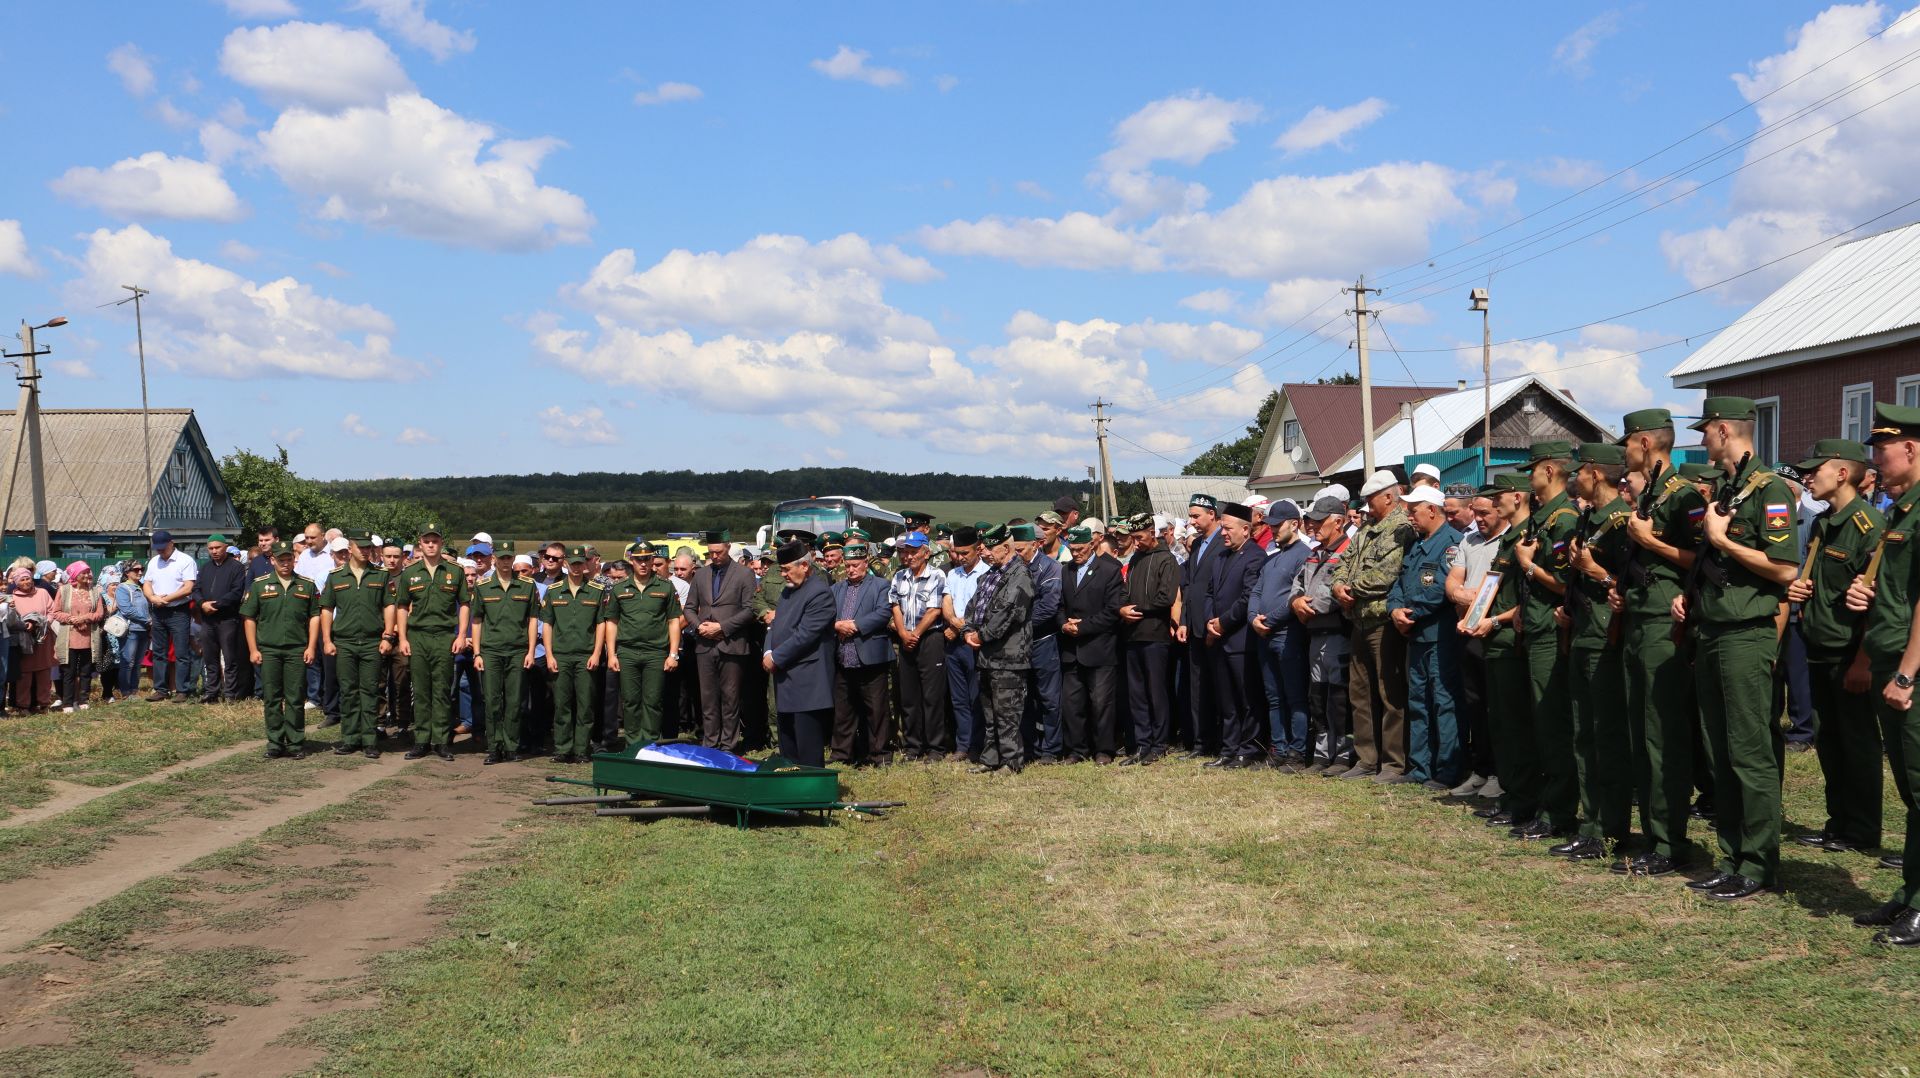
x=1478 y=302
x=146 y=416
x=26 y=420
x=1106 y=465
x=1359 y=313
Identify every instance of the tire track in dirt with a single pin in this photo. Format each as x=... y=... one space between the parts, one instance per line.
x=68 y=796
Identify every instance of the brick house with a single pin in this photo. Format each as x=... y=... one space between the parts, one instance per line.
x=1818 y=352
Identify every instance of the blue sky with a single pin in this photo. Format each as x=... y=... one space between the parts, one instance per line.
x=411 y=238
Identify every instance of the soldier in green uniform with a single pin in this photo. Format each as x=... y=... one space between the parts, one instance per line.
x=643 y=645
x=1542 y=557
x=1846 y=734
x=1752 y=555
x=1660 y=694
x=1892 y=648
x=356 y=627
x=573 y=612
x=1509 y=695
x=432 y=597
x=1596 y=680
x=504 y=610
x=282 y=621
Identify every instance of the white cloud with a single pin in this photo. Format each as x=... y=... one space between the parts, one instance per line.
x=1574 y=53
x=318 y=65
x=1032 y=189
x=73 y=368
x=588 y=426
x=411 y=166
x=1567 y=172
x=1594 y=369
x=1322 y=126
x=850 y=63
x=290 y=437
x=772 y=284
x=946 y=83
x=133 y=68
x=221 y=143
x=206 y=319
x=1212 y=301
x=14 y=257
x=352 y=424
x=1834 y=179
x=154 y=185
x=1077 y=240
x=667 y=93
x=1308 y=300
x=172 y=115
x=407 y=20
x=235 y=251
x=1187 y=128
x=416 y=436
x=262 y=9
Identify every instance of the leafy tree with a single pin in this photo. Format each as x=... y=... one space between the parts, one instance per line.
x=1344 y=378
x=266 y=492
x=1236 y=457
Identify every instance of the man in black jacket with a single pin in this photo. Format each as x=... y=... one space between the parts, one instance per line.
x=218 y=590
x=1000 y=629
x=1152 y=581
x=1196 y=597
x=1090 y=598
x=1236 y=572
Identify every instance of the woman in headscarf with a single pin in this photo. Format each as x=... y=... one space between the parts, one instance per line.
x=106 y=648
x=130 y=602
x=80 y=608
x=33 y=686
x=47 y=575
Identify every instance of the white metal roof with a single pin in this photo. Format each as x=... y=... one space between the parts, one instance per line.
x=1169 y=493
x=1438 y=422
x=1858 y=295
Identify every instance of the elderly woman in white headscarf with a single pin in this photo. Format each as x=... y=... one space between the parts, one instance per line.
x=33 y=684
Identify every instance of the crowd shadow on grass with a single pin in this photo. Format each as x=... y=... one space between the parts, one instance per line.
x=1825 y=889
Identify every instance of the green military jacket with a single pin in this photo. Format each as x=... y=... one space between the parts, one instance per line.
x=1674 y=508
x=282 y=611
x=641 y=611
x=359 y=606
x=1894 y=584
x=502 y=613
x=1603 y=529
x=768 y=595
x=1556 y=520
x=1762 y=520
x=573 y=617
x=1506 y=640
x=1846 y=540
x=433 y=597
x=1372 y=564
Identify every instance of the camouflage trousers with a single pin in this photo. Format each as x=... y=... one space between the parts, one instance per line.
x=1004 y=694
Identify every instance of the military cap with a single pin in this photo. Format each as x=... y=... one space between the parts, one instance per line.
x=981 y=526
x=716 y=535
x=1694 y=473
x=1079 y=535
x=996 y=535
x=282 y=546
x=1491 y=490
x=1789 y=473
x=1204 y=501
x=429 y=528
x=1140 y=522
x=856 y=533
x=1512 y=482
x=945 y=531
x=1236 y=510
x=504 y=546
x=856 y=550
x=1051 y=517
x=1601 y=453
x=792 y=552
x=1891 y=421
x=1644 y=420
x=639 y=548
x=576 y=553
x=1827 y=449
x=1558 y=449
x=1718 y=408
x=912 y=515
x=1025 y=533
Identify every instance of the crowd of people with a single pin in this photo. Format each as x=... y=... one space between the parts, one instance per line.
x=1597 y=640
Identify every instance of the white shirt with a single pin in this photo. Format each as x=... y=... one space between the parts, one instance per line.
x=314 y=565
x=170 y=574
x=683 y=588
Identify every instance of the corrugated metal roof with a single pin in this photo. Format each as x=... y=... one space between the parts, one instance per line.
x=95 y=471
x=1169 y=493
x=1439 y=422
x=1866 y=288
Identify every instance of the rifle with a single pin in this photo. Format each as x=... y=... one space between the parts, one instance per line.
x=1529 y=534
x=1722 y=504
x=1635 y=571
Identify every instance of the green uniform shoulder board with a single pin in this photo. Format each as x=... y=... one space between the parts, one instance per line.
x=1565 y=510
x=1860 y=521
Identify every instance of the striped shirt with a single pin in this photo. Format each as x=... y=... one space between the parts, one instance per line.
x=915 y=595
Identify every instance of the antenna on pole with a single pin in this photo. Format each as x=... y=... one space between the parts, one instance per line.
x=146 y=415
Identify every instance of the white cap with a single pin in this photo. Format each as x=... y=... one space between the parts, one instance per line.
x=377 y=541
x=1427 y=469
x=1377 y=482
x=1333 y=490
x=1095 y=524
x=481 y=537
x=523 y=559
x=1161 y=523
x=466 y=563
x=1423 y=496
x=338 y=545
x=1258 y=501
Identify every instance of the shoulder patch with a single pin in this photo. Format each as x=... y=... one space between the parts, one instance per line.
x=1779 y=516
x=1860 y=521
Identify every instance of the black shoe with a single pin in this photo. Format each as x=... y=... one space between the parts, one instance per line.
x=1652 y=864
x=209 y=699
x=1818 y=840
x=1487 y=813
x=1015 y=768
x=1880 y=918
x=329 y=722
x=1839 y=844
x=1893 y=861
x=494 y=757
x=1799 y=746
x=1701 y=810
x=1537 y=828
x=445 y=753
x=1196 y=754
x=1739 y=887
x=1566 y=848
x=1904 y=932
x=1710 y=882
x=297 y=754
x=1133 y=761
x=1502 y=818
x=371 y=753
x=343 y=750
x=1622 y=865
x=1219 y=761
x=274 y=752
x=983 y=769
x=418 y=752
x=1592 y=849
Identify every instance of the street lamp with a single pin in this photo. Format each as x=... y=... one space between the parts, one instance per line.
x=1478 y=302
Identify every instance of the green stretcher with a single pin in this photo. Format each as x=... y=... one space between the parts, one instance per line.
x=780 y=788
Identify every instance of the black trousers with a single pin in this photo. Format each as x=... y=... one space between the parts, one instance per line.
x=862 y=715
x=1470 y=708
x=226 y=660
x=1086 y=708
x=1203 y=696
x=923 y=698
x=803 y=736
x=76 y=675
x=1149 y=673
x=1236 y=681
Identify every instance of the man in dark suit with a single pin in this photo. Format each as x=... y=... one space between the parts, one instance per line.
x=1236 y=573
x=1090 y=598
x=1196 y=597
x=862 y=719
x=799 y=655
x=720 y=610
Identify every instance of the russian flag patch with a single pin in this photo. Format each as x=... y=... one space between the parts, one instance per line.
x=1697 y=512
x=1778 y=515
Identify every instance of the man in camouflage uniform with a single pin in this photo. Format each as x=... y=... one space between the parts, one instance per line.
x=1596 y=678
x=1543 y=559
x=1000 y=629
x=1377 y=678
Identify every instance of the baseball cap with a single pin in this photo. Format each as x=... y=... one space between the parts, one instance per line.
x=913 y=540
x=1423 y=496
x=161 y=538
x=1327 y=506
x=337 y=544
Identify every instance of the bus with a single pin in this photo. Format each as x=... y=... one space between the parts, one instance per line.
x=834 y=513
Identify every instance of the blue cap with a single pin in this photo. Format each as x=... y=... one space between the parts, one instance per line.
x=162 y=538
x=481 y=548
x=914 y=539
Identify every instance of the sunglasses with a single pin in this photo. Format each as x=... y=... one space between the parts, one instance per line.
x=550 y=557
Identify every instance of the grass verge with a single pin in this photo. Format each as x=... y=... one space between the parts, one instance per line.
x=103 y=746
